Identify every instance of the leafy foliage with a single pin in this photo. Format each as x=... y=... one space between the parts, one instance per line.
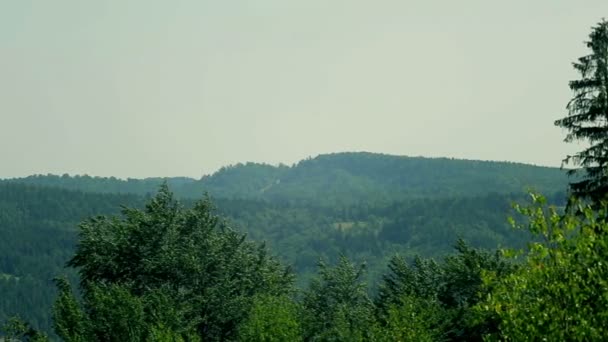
x=272 y=318
x=411 y=318
x=439 y=296
x=141 y=272
x=560 y=291
x=16 y=329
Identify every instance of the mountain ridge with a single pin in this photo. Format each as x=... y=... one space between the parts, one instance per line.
x=344 y=176
x=281 y=164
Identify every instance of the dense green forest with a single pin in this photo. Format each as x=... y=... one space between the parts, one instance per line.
x=40 y=215
x=336 y=179
x=38 y=229
x=170 y=273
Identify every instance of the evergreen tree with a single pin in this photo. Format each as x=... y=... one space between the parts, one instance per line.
x=336 y=306
x=587 y=118
x=462 y=288
x=411 y=319
x=421 y=280
x=271 y=319
x=438 y=297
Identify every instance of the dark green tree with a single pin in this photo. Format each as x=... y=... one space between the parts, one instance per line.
x=410 y=319
x=439 y=297
x=407 y=308
x=336 y=306
x=462 y=288
x=420 y=280
x=271 y=319
x=587 y=118
x=17 y=330
x=70 y=322
x=165 y=272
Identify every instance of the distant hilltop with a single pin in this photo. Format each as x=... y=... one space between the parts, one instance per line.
x=347 y=176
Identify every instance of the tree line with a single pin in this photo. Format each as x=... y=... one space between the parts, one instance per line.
x=39 y=226
x=170 y=273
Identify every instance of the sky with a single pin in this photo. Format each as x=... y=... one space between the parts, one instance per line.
x=144 y=88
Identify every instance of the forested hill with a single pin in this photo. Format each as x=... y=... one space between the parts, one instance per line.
x=38 y=230
x=362 y=205
x=339 y=177
x=37 y=236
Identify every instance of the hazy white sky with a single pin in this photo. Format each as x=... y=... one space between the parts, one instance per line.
x=167 y=88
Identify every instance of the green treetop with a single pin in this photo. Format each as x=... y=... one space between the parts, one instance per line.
x=587 y=118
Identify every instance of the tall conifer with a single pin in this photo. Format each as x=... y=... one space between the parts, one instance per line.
x=587 y=118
